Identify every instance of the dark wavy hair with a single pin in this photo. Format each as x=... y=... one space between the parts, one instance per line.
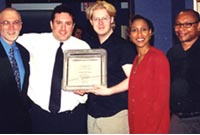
x=62 y=8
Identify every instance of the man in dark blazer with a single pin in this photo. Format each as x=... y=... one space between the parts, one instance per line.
x=14 y=102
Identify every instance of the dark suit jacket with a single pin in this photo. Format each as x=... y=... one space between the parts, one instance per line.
x=14 y=117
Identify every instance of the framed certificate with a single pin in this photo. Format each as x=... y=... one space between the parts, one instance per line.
x=84 y=68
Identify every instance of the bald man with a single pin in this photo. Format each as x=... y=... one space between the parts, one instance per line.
x=14 y=74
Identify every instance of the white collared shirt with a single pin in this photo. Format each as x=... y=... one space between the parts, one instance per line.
x=42 y=48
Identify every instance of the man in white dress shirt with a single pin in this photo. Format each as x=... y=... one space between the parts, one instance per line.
x=72 y=117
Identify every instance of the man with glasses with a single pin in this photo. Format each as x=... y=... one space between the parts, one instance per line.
x=14 y=74
x=107 y=106
x=185 y=74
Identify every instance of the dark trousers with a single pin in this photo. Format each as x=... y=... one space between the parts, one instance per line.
x=69 y=122
x=190 y=125
x=15 y=124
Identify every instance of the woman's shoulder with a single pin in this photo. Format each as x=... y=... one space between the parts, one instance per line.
x=156 y=53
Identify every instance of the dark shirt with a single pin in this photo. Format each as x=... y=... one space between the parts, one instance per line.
x=119 y=52
x=185 y=78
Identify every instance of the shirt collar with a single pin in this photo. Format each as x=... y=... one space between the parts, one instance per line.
x=7 y=47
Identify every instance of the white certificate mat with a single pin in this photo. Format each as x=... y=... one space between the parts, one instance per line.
x=84 y=68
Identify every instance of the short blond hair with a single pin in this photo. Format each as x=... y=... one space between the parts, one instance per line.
x=101 y=5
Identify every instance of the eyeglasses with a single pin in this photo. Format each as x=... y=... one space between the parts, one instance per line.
x=104 y=19
x=8 y=23
x=185 y=25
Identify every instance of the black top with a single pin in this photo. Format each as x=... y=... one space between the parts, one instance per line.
x=185 y=78
x=14 y=116
x=119 y=52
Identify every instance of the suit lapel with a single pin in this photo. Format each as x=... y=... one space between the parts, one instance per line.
x=2 y=52
x=25 y=60
x=5 y=66
x=5 y=62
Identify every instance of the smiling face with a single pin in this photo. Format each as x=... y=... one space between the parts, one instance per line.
x=187 y=27
x=140 y=34
x=62 y=26
x=10 y=25
x=102 y=23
